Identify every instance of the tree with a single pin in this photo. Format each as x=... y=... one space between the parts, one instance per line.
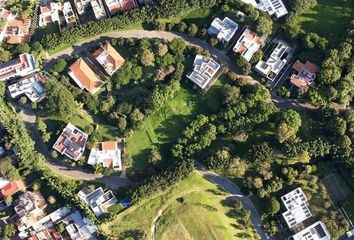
x=22 y=100
x=257 y=57
x=273 y=206
x=213 y=41
x=8 y=170
x=291 y=118
x=181 y=27
x=155 y=156
x=245 y=66
x=136 y=116
x=238 y=167
x=264 y=24
x=5 y=55
x=231 y=94
x=285 y=132
x=59 y=66
x=21 y=8
x=52 y=200
x=147 y=57
x=219 y=160
x=162 y=49
x=23 y=48
x=337 y=126
x=261 y=153
x=7 y=231
x=192 y=29
x=257 y=182
x=177 y=45
x=122 y=123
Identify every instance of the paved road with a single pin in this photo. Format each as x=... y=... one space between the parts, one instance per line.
x=234 y=191
x=112 y=182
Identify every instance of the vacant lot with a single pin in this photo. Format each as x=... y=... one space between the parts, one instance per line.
x=194 y=209
x=328 y=19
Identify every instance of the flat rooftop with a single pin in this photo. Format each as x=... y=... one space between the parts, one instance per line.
x=272 y=7
x=316 y=231
x=224 y=29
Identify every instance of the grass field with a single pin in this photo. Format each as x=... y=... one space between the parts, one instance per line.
x=164 y=128
x=328 y=18
x=193 y=209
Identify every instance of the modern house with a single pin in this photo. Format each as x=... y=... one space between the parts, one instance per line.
x=29 y=208
x=19 y=67
x=108 y=58
x=69 y=15
x=109 y=154
x=316 y=231
x=115 y=6
x=297 y=210
x=224 y=29
x=248 y=44
x=304 y=74
x=71 y=142
x=9 y=188
x=50 y=13
x=98 y=200
x=81 y=5
x=98 y=9
x=204 y=71
x=278 y=59
x=84 y=76
x=29 y=86
x=272 y=7
x=79 y=228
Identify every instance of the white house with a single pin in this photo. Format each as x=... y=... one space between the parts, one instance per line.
x=224 y=29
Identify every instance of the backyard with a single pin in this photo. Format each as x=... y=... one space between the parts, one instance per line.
x=328 y=18
x=193 y=209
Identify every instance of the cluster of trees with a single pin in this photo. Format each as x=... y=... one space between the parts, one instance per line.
x=21 y=8
x=162 y=9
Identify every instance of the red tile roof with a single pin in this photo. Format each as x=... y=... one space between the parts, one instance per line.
x=11 y=188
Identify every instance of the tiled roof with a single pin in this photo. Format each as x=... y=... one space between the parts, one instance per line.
x=12 y=187
x=85 y=75
x=109 y=145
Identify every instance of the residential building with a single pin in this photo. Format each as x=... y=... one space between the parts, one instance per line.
x=29 y=86
x=84 y=76
x=108 y=58
x=98 y=200
x=81 y=5
x=69 y=15
x=15 y=30
x=11 y=187
x=50 y=13
x=79 y=228
x=71 y=142
x=304 y=75
x=278 y=59
x=18 y=67
x=29 y=208
x=248 y=44
x=44 y=227
x=98 y=9
x=115 y=6
x=204 y=71
x=3 y=182
x=272 y=7
x=316 y=231
x=224 y=29
x=297 y=210
x=109 y=154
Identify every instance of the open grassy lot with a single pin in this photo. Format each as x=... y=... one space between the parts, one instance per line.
x=328 y=18
x=193 y=209
x=163 y=128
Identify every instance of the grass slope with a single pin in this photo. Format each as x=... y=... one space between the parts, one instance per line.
x=193 y=209
x=328 y=18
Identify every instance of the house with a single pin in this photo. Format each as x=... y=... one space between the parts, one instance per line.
x=84 y=77
x=18 y=67
x=15 y=31
x=29 y=86
x=50 y=13
x=297 y=210
x=224 y=29
x=280 y=56
x=71 y=142
x=98 y=200
x=109 y=154
x=248 y=44
x=304 y=75
x=81 y=5
x=79 y=228
x=204 y=71
x=44 y=227
x=29 y=209
x=316 y=231
x=69 y=15
x=3 y=182
x=11 y=187
x=272 y=7
x=98 y=9
x=115 y=6
x=108 y=58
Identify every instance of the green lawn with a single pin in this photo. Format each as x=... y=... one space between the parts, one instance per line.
x=163 y=128
x=328 y=18
x=193 y=209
